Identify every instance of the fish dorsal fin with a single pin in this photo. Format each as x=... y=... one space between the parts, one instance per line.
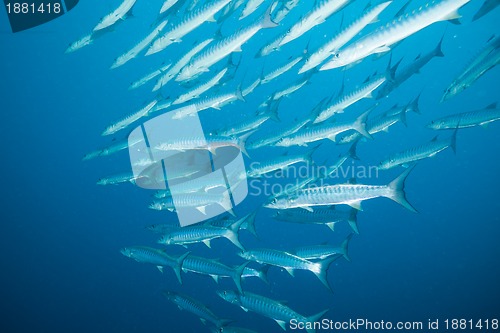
x=491 y=106
x=331 y=225
x=215 y=277
x=290 y=271
x=207 y=243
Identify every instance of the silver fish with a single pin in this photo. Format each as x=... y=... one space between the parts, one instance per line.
x=344 y=194
x=468 y=119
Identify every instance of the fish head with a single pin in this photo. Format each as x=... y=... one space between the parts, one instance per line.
x=245 y=255
x=387 y=164
x=451 y=91
x=127 y=252
x=230 y=296
x=155 y=206
x=436 y=124
x=279 y=203
x=103 y=181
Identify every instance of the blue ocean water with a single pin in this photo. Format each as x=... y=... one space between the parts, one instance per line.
x=61 y=233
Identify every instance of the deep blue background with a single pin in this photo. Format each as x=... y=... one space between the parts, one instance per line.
x=61 y=234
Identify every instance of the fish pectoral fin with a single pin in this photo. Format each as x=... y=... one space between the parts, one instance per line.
x=207 y=243
x=238 y=49
x=216 y=278
x=452 y=16
x=309 y=209
x=282 y=323
x=356 y=205
x=382 y=49
x=211 y=19
x=160 y=268
x=244 y=309
x=290 y=271
x=331 y=225
x=332 y=138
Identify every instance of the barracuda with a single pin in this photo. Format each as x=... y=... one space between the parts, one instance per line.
x=344 y=101
x=188 y=23
x=124 y=123
x=280 y=70
x=487 y=58
x=280 y=163
x=132 y=53
x=275 y=138
x=325 y=131
x=329 y=217
x=175 y=69
x=155 y=257
x=406 y=25
x=323 y=251
x=211 y=102
x=468 y=119
x=247 y=224
x=344 y=194
x=268 y=308
x=343 y=37
x=120 y=13
x=375 y=125
x=273 y=45
x=396 y=78
x=418 y=153
x=210 y=143
x=200 y=89
x=223 y=48
x=323 y=10
x=250 y=7
x=289 y=262
x=192 y=200
x=214 y=269
x=148 y=77
x=202 y=233
x=189 y=304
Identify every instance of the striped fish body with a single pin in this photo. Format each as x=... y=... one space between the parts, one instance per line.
x=381 y=39
x=467 y=119
x=323 y=10
x=328 y=217
x=187 y=24
x=414 y=154
x=275 y=164
x=343 y=37
x=280 y=259
x=148 y=255
x=195 y=307
x=274 y=138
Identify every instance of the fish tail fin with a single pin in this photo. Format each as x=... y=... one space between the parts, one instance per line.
x=353 y=220
x=266 y=20
x=308 y=156
x=232 y=233
x=177 y=268
x=238 y=272
x=360 y=125
x=272 y=111
x=414 y=104
x=397 y=190
x=438 y=50
x=263 y=273
x=250 y=219
x=402 y=117
x=323 y=269
x=239 y=94
x=345 y=247
x=314 y=319
x=243 y=141
x=352 y=151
